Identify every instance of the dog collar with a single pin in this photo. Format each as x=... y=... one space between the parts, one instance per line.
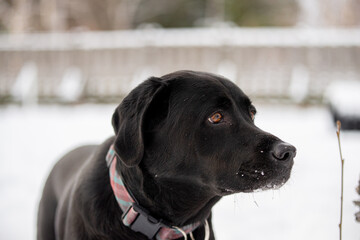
x=136 y=217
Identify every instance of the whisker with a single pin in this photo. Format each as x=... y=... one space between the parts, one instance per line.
x=253 y=195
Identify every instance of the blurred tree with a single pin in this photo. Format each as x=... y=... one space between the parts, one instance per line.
x=169 y=14
x=65 y=15
x=101 y=15
x=348 y=12
x=187 y=13
x=5 y=12
x=255 y=13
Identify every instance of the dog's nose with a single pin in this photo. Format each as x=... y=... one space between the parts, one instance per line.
x=283 y=152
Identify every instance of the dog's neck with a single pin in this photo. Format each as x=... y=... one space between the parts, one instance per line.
x=163 y=200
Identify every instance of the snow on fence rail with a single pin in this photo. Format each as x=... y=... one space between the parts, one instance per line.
x=295 y=64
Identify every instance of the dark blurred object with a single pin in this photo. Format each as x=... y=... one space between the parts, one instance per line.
x=343 y=98
x=357 y=203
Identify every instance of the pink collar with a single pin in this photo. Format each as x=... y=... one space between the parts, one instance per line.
x=136 y=217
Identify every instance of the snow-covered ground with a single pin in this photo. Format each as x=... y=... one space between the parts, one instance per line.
x=307 y=207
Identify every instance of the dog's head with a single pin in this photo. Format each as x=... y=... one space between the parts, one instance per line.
x=198 y=127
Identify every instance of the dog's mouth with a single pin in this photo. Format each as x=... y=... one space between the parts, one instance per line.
x=262 y=180
x=263 y=177
x=257 y=179
x=226 y=191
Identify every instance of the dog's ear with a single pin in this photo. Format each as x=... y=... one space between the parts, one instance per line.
x=129 y=120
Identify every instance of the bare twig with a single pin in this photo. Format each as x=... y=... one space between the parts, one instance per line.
x=338 y=123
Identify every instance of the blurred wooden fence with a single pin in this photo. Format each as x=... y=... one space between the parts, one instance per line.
x=291 y=64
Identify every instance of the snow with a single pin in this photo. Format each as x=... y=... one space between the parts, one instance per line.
x=307 y=207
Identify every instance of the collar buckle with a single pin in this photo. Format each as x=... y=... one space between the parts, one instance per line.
x=143 y=223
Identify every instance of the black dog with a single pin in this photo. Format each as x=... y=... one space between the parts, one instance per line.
x=182 y=142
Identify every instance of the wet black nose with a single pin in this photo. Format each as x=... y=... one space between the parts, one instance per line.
x=283 y=151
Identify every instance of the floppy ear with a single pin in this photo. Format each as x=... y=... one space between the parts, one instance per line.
x=128 y=121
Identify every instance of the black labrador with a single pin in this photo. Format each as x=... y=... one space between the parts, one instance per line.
x=181 y=142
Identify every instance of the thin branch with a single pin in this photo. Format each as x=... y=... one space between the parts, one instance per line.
x=338 y=123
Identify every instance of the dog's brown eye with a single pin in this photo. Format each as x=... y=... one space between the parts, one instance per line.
x=215 y=118
x=252 y=111
x=252 y=114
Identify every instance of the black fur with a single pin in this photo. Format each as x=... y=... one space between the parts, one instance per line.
x=175 y=161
